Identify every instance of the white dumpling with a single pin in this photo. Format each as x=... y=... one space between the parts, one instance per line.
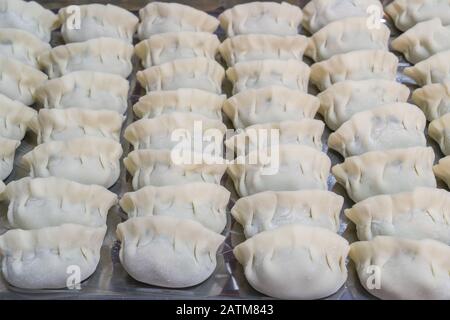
x=435 y=69
x=252 y=47
x=7 y=152
x=407 y=13
x=357 y=65
x=160 y=168
x=44 y=258
x=205 y=203
x=319 y=13
x=281 y=19
x=433 y=99
x=270 y=210
x=419 y=214
x=284 y=168
x=344 y=99
x=439 y=131
x=47 y=202
x=15 y=118
x=86 y=90
x=195 y=101
x=67 y=124
x=97 y=21
x=196 y=73
x=158 y=133
x=295 y=262
x=343 y=36
x=442 y=170
x=167 y=47
x=269 y=104
x=292 y=74
x=386 y=172
x=22 y=46
x=391 y=126
x=106 y=55
x=29 y=16
x=19 y=81
x=307 y=132
x=83 y=160
x=168 y=252
x=423 y=40
x=159 y=17
x=403 y=269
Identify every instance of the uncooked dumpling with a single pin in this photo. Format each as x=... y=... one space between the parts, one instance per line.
x=106 y=55
x=344 y=99
x=160 y=17
x=420 y=214
x=7 y=152
x=391 y=126
x=97 y=21
x=386 y=172
x=205 y=203
x=295 y=262
x=357 y=65
x=45 y=258
x=435 y=69
x=439 y=130
x=442 y=170
x=433 y=99
x=47 y=202
x=15 y=118
x=269 y=104
x=270 y=210
x=281 y=19
x=168 y=252
x=396 y=268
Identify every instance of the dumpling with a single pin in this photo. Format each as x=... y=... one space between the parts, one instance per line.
x=344 y=99
x=319 y=13
x=284 y=168
x=160 y=17
x=168 y=252
x=158 y=133
x=161 y=168
x=67 y=124
x=419 y=214
x=442 y=170
x=7 y=152
x=439 y=130
x=386 y=172
x=347 y=35
x=29 y=16
x=269 y=210
x=407 y=13
x=83 y=160
x=195 y=73
x=435 y=69
x=402 y=269
x=357 y=65
x=48 y=202
x=307 y=132
x=391 y=126
x=22 y=46
x=195 y=101
x=19 y=81
x=423 y=40
x=295 y=262
x=86 y=90
x=44 y=258
x=281 y=19
x=15 y=118
x=106 y=55
x=433 y=99
x=167 y=47
x=252 y=47
x=205 y=203
x=269 y=104
x=292 y=74
x=97 y=21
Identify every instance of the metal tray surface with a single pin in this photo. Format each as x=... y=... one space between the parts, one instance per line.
x=111 y=281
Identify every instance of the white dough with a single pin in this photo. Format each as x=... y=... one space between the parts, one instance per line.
x=433 y=99
x=15 y=118
x=435 y=69
x=7 y=152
